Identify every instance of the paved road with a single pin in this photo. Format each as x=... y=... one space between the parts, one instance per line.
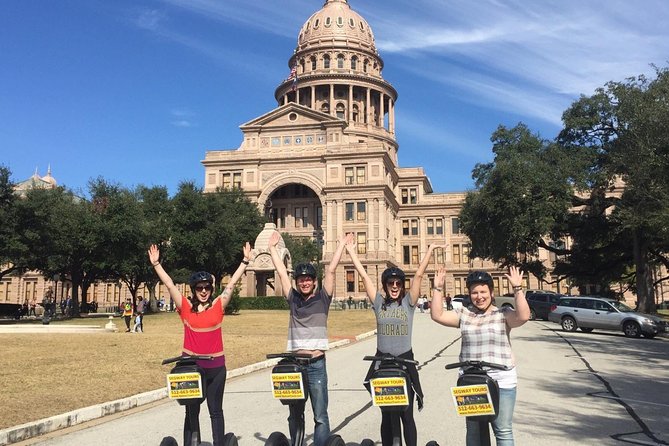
x=575 y=389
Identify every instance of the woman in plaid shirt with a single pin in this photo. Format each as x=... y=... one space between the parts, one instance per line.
x=485 y=337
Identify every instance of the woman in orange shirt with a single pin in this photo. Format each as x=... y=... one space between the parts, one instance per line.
x=202 y=317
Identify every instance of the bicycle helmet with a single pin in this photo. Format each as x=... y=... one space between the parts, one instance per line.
x=479 y=277
x=392 y=273
x=304 y=269
x=198 y=277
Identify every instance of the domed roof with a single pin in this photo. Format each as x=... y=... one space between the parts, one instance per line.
x=49 y=179
x=336 y=21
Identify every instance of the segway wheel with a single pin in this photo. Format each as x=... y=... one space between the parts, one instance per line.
x=334 y=440
x=432 y=443
x=277 y=439
x=169 y=441
x=367 y=442
x=229 y=439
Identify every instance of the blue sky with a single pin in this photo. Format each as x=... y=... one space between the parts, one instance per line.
x=136 y=91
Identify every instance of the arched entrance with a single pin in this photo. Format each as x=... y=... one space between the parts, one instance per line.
x=297 y=210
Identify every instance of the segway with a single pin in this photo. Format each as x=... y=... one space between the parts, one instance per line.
x=187 y=385
x=290 y=385
x=389 y=389
x=476 y=395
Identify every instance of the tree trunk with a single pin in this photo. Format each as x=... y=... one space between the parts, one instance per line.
x=644 y=276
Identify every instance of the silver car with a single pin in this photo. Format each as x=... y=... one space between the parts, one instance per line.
x=589 y=313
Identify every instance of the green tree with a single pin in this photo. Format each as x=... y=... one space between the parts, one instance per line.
x=304 y=250
x=12 y=250
x=61 y=232
x=604 y=183
x=625 y=126
x=521 y=200
x=209 y=230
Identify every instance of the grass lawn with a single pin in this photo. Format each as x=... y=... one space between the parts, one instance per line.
x=49 y=374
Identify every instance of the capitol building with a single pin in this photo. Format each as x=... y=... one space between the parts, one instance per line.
x=324 y=162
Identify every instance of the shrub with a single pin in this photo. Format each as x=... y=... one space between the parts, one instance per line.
x=263 y=303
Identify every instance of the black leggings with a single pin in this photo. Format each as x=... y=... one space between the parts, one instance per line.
x=408 y=425
x=215 y=386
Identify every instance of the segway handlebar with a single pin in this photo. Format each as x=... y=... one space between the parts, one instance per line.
x=477 y=365
x=290 y=355
x=187 y=358
x=389 y=357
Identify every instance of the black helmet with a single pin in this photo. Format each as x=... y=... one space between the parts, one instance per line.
x=393 y=273
x=479 y=277
x=304 y=269
x=200 y=276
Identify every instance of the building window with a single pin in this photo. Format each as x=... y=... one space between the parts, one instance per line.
x=298 y=217
x=362 y=242
x=355 y=174
x=495 y=284
x=409 y=195
x=456 y=254
x=326 y=61
x=319 y=217
x=237 y=180
x=360 y=176
x=349 y=211
x=457 y=285
x=305 y=217
x=406 y=254
x=465 y=253
x=414 y=227
x=350 y=281
x=340 y=111
x=340 y=61
x=362 y=211
x=439 y=225
x=430 y=226
x=232 y=180
x=313 y=63
x=439 y=257
x=227 y=181
x=354 y=62
x=455 y=225
x=405 y=227
x=361 y=283
x=414 y=255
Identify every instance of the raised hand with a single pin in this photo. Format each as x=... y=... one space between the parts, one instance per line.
x=515 y=276
x=154 y=254
x=274 y=239
x=247 y=251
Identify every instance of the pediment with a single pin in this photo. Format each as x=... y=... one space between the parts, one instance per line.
x=292 y=115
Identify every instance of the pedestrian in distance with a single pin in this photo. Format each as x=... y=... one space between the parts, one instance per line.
x=202 y=316
x=394 y=310
x=307 y=332
x=126 y=313
x=485 y=337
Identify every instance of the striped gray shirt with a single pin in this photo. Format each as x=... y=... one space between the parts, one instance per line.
x=307 y=328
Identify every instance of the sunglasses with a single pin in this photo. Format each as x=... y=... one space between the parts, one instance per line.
x=203 y=288
x=397 y=283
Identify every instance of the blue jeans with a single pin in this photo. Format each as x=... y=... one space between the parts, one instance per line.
x=318 y=394
x=502 y=426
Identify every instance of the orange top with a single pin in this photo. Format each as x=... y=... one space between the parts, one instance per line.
x=203 y=334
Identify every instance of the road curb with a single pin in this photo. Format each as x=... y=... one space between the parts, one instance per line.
x=78 y=416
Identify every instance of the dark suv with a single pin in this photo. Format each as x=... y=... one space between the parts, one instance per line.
x=541 y=303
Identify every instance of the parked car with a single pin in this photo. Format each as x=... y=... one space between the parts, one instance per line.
x=589 y=313
x=461 y=300
x=540 y=304
x=507 y=300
